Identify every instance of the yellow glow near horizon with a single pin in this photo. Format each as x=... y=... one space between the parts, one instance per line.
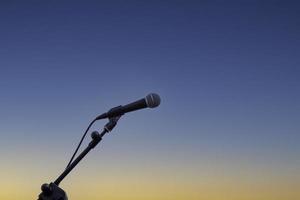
x=205 y=183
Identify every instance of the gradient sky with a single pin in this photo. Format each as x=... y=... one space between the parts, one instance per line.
x=228 y=73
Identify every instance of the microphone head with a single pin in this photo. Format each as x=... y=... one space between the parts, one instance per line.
x=152 y=100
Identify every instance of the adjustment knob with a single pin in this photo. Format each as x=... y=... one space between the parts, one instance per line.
x=46 y=189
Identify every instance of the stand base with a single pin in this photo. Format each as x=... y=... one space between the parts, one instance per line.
x=52 y=192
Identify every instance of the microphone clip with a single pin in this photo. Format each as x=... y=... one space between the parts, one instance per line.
x=112 y=123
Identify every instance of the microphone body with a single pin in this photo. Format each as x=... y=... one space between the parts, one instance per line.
x=152 y=100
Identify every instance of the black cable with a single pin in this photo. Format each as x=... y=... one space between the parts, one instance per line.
x=81 y=142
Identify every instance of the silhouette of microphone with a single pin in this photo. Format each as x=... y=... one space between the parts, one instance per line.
x=150 y=101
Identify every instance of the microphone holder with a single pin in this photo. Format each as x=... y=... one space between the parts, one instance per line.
x=52 y=191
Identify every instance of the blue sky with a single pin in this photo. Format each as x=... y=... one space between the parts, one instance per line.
x=227 y=73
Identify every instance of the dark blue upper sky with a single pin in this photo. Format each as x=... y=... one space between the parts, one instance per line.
x=227 y=72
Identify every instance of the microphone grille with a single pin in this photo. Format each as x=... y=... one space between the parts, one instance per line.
x=152 y=100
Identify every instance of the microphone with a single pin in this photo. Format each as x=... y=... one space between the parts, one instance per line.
x=150 y=101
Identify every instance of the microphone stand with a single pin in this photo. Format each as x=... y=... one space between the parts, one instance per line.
x=52 y=191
